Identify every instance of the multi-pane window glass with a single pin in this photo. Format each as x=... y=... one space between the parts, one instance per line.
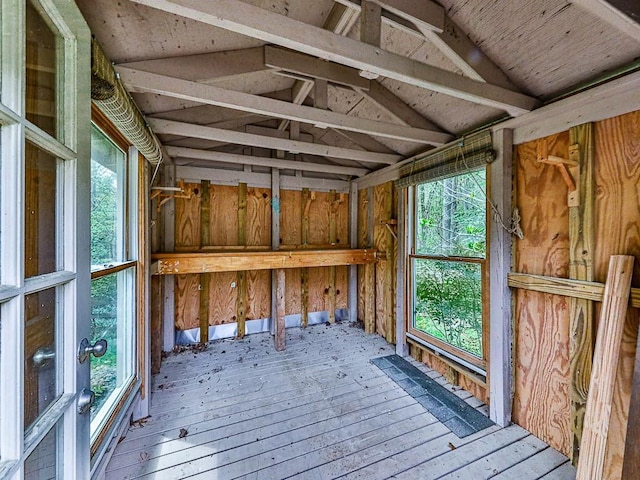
x=108 y=201
x=452 y=217
x=112 y=287
x=42 y=365
x=448 y=264
x=41 y=69
x=112 y=319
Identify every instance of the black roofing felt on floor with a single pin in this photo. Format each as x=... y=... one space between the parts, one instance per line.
x=452 y=411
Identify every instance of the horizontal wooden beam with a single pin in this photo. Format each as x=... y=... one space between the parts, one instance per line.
x=183 y=263
x=241 y=138
x=566 y=287
x=234 y=158
x=219 y=176
x=240 y=17
x=206 y=67
x=140 y=81
x=313 y=67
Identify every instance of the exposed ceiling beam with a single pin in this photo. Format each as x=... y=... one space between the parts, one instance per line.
x=181 y=152
x=240 y=17
x=206 y=67
x=610 y=14
x=293 y=146
x=150 y=82
x=312 y=67
x=422 y=13
x=451 y=40
x=394 y=106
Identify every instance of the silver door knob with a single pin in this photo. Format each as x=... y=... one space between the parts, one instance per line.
x=98 y=349
x=85 y=401
x=43 y=356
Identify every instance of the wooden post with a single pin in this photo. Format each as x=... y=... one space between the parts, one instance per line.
x=333 y=204
x=280 y=339
x=389 y=278
x=631 y=458
x=500 y=324
x=275 y=241
x=581 y=240
x=241 y=303
x=353 y=243
x=304 y=273
x=405 y=240
x=599 y=401
x=168 y=245
x=370 y=272
x=204 y=277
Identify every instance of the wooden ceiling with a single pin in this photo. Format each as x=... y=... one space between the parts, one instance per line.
x=340 y=89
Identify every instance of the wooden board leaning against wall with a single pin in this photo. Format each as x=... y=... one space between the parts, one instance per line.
x=231 y=207
x=542 y=365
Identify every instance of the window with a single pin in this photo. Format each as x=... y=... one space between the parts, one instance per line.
x=113 y=273
x=448 y=267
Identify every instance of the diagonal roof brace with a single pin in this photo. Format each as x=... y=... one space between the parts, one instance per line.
x=239 y=17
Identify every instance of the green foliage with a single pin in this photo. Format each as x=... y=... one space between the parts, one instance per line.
x=451 y=222
x=449 y=303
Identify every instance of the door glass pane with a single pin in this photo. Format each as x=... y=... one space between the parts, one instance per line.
x=41 y=57
x=448 y=302
x=43 y=463
x=108 y=191
x=112 y=306
x=42 y=366
x=40 y=211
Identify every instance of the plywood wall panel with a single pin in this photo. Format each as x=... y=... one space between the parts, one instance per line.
x=290 y=218
x=541 y=401
x=259 y=216
x=342 y=221
x=319 y=219
x=342 y=286
x=617 y=231
x=187 y=233
x=259 y=294
x=222 y=298
x=224 y=215
x=187 y=301
x=293 y=295
x=318 y=289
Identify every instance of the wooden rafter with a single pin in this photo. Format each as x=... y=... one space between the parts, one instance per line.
x=240 y=138
x=206 y=67
x=237 y=16
x=137 y=80
x=443 y=32
x=223 y=157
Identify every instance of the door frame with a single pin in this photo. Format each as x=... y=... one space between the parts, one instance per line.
x=72 y=276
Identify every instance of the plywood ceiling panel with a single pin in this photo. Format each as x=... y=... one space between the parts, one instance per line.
x=544 y=46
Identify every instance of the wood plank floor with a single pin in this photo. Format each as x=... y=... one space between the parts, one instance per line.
x=318 y=410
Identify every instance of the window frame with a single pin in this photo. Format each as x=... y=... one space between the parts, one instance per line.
x=100 y=438
x=441 y=347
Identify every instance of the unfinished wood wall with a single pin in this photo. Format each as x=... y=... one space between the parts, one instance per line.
x=542 y=370
x=377 y=219
x=224 y=220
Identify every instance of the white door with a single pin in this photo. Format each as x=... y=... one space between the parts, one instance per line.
x=44 y=240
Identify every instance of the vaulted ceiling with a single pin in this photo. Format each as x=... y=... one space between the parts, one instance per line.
x=342 y=88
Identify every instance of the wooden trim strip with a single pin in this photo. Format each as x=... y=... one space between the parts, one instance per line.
x=114 y=269
x=564 y=286
x=182 y=263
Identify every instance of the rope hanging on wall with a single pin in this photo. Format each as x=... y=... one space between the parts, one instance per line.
x=110 y=96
